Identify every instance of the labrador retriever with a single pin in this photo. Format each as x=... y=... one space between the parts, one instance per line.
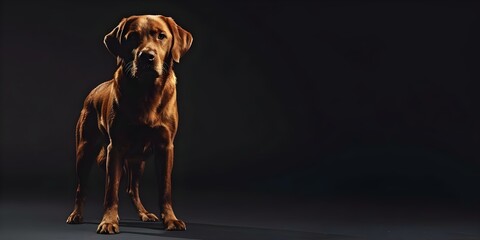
x=131 y=116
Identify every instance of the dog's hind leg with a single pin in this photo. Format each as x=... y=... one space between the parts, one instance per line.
x=88 y=147
x=134 y=170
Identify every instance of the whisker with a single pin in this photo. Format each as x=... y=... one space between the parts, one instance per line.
x=164 y=67
x=128 y=68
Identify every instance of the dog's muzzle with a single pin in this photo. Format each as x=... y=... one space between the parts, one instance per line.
x=146 y=64
x=146 y=57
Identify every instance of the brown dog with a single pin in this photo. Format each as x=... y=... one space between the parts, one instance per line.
x=133 y=115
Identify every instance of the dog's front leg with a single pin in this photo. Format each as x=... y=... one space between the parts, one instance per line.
x=114 y=165
x=164 y=167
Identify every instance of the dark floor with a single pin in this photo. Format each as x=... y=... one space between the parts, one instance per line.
x=248 y=216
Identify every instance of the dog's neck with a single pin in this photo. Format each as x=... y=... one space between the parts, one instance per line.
x=145 y=97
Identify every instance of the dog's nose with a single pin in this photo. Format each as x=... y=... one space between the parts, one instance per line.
x=147 y=56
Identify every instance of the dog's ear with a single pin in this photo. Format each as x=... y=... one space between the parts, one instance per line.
x=182 y=39
x=113 y=39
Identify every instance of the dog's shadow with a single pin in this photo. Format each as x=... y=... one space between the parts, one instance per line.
x=212 y=231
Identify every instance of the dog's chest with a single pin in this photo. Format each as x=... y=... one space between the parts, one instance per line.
x=149 y=118
x=142 y=113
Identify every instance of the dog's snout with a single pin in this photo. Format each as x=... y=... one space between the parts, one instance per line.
x=146 y=56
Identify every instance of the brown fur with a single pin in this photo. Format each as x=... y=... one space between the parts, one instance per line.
x=133 y=115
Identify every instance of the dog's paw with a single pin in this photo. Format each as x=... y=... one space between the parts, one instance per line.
x=175 y=225
x=108 y=228
x=148 y=217
x=75 y=218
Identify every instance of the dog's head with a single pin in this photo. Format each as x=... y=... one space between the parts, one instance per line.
x=147 y=45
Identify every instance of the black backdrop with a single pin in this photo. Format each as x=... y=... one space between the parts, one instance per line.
x=331 y=98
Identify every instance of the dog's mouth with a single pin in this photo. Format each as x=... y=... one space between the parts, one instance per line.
x=146 y=67
x=147 y=70
x=142 y=70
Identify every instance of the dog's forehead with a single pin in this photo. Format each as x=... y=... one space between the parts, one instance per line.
x=148 y=22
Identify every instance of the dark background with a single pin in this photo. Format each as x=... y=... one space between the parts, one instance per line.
x=375 y=100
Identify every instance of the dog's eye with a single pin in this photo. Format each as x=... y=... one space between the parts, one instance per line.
x=161 y=36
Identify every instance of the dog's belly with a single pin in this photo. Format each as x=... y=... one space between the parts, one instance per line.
x=139 y=150
x=139 y=145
